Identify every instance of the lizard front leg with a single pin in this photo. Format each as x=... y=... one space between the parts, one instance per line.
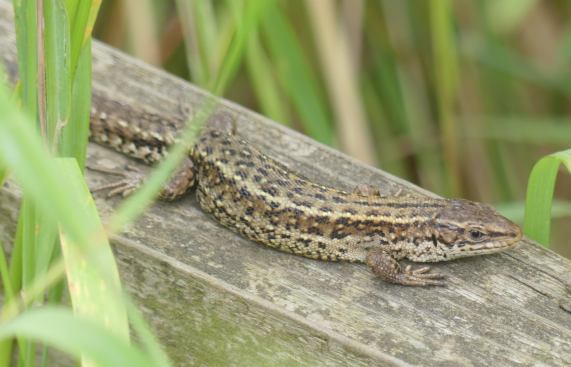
x=387 y=268
x=182 y=180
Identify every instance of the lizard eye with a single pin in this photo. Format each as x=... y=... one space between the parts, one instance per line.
x=476 y=235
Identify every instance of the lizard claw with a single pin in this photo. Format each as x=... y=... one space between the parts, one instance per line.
x=421 y=276
x=122 y=187
x=424 y=269
x=125 y=186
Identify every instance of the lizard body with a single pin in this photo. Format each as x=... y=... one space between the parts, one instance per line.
x=263 y=200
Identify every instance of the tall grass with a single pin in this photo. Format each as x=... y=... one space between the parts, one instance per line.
x=60 y=240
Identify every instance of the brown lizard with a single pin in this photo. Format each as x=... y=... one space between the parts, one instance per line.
x=263 y=200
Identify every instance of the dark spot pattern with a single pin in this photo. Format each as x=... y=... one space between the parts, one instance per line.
x=338 y=235
x=270 y=190
x=261 y=199
x=262 y=171
x=342 y=221
x=339 y=199
x=298 y=190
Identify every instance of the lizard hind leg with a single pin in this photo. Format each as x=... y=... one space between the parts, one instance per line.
x=387 y=268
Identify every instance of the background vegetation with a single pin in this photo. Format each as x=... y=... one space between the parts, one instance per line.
x=461 y=97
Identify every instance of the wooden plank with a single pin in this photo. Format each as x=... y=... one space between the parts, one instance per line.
x=216 y=298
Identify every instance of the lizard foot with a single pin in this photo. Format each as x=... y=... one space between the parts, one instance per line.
x=387 y=268
x=366 y=190
x=179 y=183
x=124 y=186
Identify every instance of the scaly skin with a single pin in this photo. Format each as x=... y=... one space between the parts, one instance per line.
x=261 y=199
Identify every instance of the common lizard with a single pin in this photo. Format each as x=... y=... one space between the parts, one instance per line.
x=263 y=200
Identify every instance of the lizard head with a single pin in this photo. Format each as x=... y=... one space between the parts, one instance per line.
x=464 y=228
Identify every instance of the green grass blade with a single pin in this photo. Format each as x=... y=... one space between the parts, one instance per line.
x=24 y=153
x=81 y=19
x=264 y=83
x=8 y=290
x=42 y=181
x=57 y=78
x=75 y=135
x=62 y=193
x=45 y=241
x=28 y=240
x=540 y=188
x=446 y=71
x=246 y=19
x=295 y=74
x=3 y=171
x=8 y=294
x=82 y=16
x=95 y=289
x=37 y=242
x=200 y=34
x=60 y=328
x=54 y=297
x=16 y=258
x=26 y=41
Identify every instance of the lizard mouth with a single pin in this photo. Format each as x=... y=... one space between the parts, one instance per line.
x=499 y=244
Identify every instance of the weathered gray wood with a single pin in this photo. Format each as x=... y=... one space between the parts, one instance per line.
x=218 y=299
